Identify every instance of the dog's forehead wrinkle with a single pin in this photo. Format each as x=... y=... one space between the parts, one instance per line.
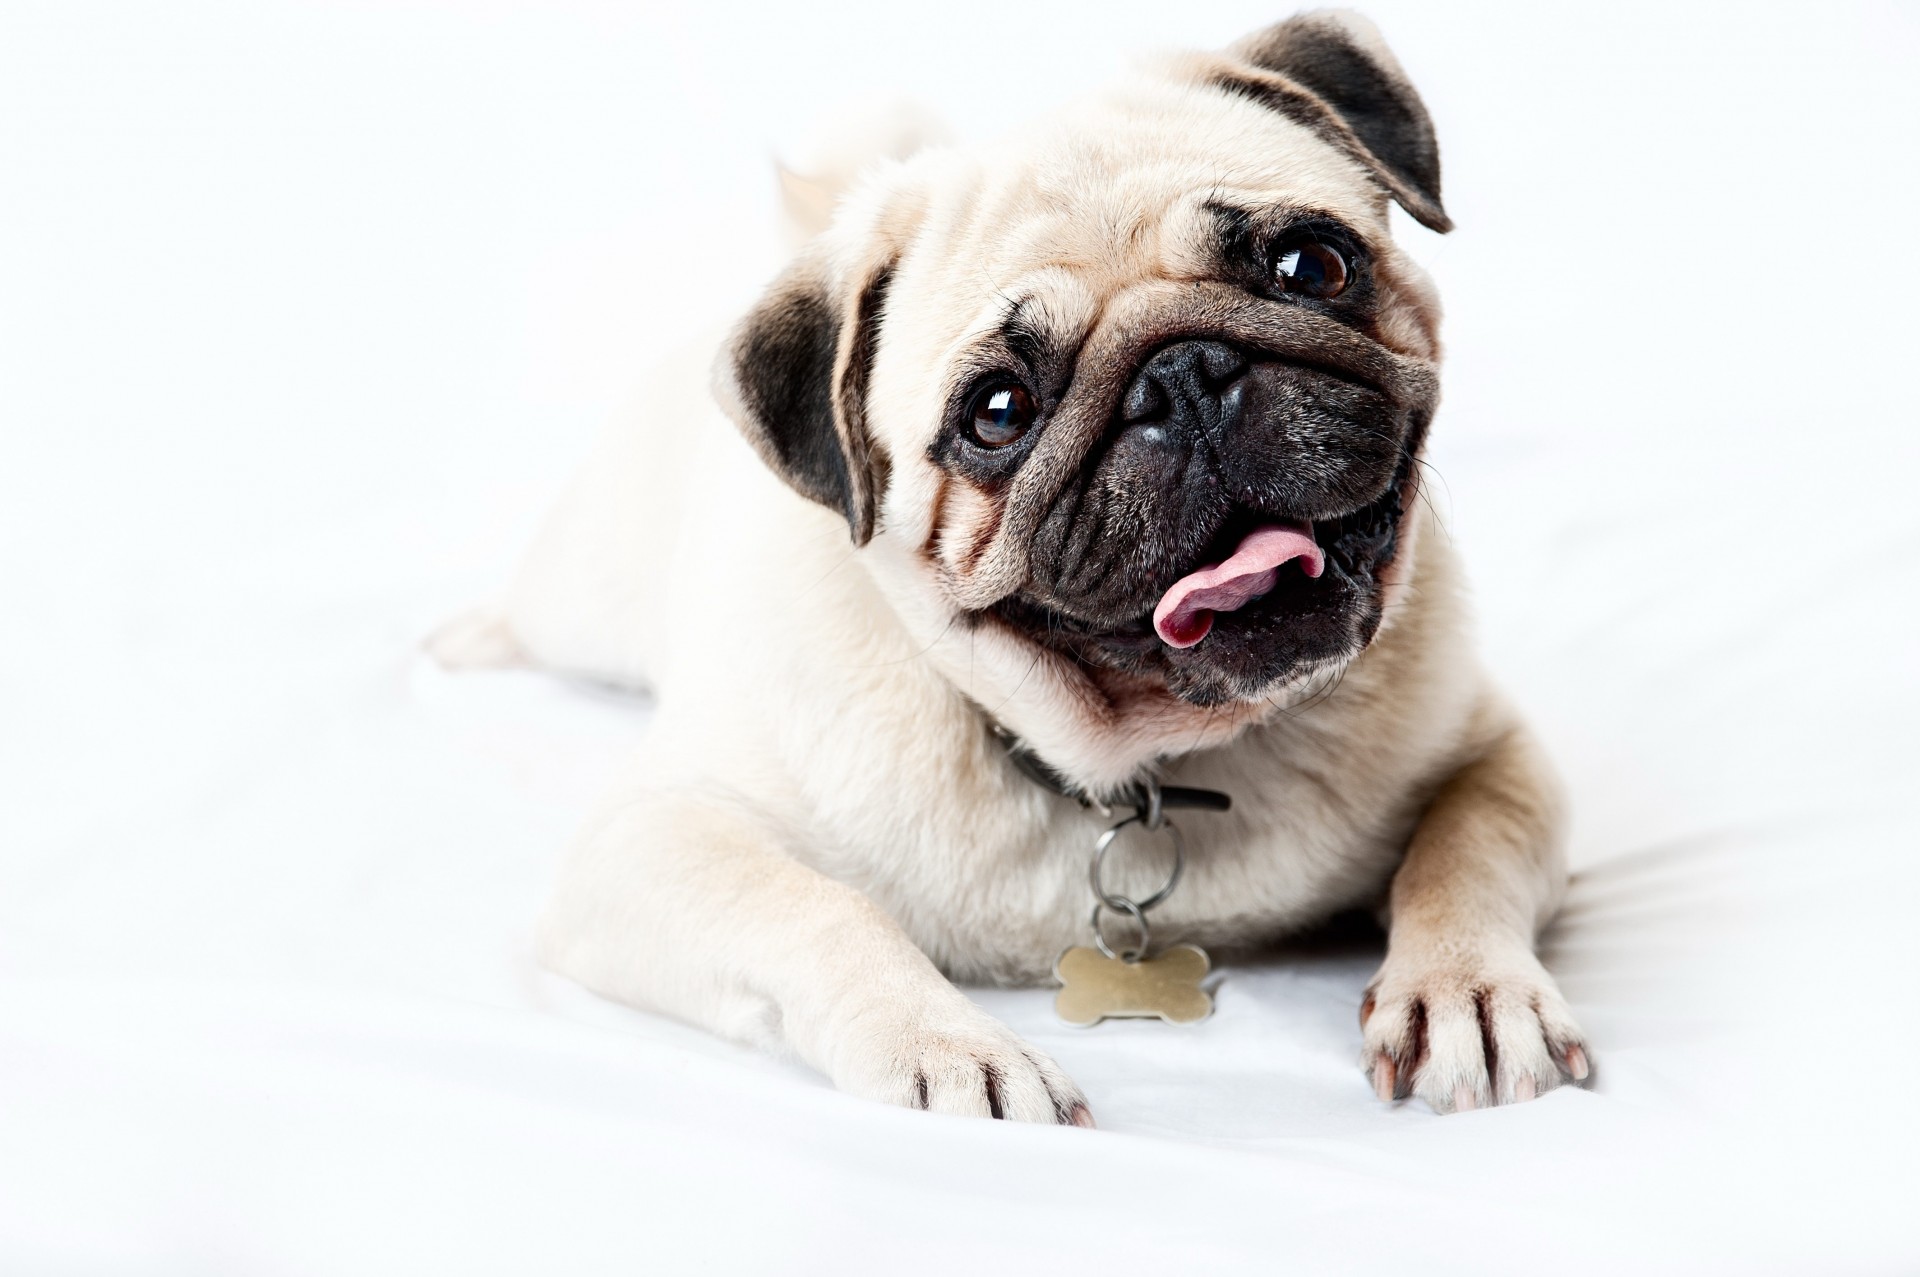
x=1060 y=309
x=1136 y=219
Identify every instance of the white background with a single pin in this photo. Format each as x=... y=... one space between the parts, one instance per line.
x=305 y=312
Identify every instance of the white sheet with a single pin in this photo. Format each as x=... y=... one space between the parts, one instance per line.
x=308 y=309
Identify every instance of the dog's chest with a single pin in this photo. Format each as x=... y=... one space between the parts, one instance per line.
x=994 y=882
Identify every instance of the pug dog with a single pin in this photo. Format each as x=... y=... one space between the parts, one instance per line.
x=1091 y=456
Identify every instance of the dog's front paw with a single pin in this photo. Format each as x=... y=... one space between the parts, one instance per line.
x=1465 y=1032
x=969 y=1064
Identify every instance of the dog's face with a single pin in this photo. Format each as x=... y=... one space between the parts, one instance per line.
x=1144 y=391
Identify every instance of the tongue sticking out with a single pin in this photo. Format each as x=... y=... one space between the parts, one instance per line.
x=1186 y=613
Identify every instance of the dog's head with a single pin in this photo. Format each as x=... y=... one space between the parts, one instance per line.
x=1141 y=390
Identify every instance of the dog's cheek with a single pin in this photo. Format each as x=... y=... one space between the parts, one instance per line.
x=964 y=528
x=1410 y=311
x=1394 y=580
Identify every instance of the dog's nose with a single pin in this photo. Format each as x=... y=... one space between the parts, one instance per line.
x=1188 y=383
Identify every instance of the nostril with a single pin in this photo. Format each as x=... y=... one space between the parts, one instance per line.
x=1220 y=363
x=1191 y=382
x=1146 y=401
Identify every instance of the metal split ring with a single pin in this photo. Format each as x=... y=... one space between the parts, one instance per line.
x=1120 y=904
x=1149 y=812
x=1106 y=840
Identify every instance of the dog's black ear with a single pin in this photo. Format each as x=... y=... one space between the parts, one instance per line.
x=794 y=379
x=1331 y=71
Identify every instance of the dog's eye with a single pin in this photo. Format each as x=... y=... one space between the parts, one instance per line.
x=1001 y=413
x=1312 y=269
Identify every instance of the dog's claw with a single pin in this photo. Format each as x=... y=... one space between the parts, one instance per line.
x=1468 y=1035
x=1383 y=1080
x=965 y=1064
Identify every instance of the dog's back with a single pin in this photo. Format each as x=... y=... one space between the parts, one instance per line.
x=591 y=597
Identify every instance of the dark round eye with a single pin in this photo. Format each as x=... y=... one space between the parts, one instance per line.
x=1312 y=269
x=1001 y=413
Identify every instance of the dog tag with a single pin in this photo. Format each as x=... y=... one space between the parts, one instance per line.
x=1094 y=987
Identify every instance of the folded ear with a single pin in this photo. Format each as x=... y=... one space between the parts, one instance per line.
x=793 y=377
x=1331 y=71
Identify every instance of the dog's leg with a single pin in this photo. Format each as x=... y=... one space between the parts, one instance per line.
x=690 y=906
x=1462 y=1014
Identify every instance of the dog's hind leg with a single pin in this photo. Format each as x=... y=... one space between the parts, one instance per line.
x=479 y=639
x=586 y=598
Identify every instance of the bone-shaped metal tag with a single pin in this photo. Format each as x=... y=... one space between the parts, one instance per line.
x=1094 y=987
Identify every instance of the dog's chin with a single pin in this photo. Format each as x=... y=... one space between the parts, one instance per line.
x=1284 y=643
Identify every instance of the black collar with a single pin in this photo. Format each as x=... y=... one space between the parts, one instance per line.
x=1147 y=796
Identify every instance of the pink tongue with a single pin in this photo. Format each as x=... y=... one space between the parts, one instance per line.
x=1186 y=613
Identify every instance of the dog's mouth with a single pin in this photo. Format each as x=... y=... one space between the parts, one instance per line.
x=1186 y=612
x=1267 y=598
